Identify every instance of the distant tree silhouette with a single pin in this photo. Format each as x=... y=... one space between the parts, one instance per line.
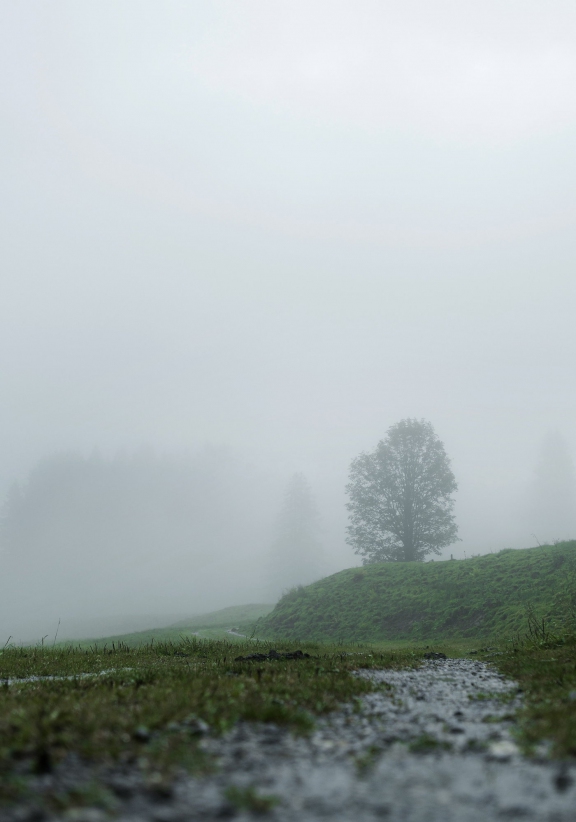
x=296 y=556
x=101 y=531
x=11 y=523
x=551 y=504
x=401 y=496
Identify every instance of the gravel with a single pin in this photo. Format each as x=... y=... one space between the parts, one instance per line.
x=433 y=743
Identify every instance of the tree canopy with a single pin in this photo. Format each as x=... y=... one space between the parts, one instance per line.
x=401 y=496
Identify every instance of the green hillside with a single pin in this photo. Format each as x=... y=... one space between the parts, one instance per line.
x=485 y=596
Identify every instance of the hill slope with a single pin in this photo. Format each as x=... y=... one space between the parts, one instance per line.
x=205 y=626
x=483 y=596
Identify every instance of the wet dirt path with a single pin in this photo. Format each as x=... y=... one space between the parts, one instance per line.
x=434 y=744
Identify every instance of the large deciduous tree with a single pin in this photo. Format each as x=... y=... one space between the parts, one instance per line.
x=401 y=496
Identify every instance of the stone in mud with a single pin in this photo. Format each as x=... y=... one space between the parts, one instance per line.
x=272 y=654
x=196 y=726
x=141 y=734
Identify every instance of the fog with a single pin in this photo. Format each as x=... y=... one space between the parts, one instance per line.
x=241 y=240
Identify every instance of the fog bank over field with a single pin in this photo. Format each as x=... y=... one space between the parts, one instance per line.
x=92 y=545
x=241 y=241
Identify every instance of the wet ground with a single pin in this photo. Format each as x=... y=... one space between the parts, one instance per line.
x=435 y=743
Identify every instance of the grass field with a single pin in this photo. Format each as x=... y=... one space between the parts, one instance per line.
x=487 y=596
x=213 y=625
x=544 y=664
x=142 y=700
x=145 y=705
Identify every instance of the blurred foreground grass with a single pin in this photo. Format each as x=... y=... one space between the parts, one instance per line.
x=545 y=668
x=147 y=703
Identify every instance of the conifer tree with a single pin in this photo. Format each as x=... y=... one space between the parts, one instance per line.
x=296 y=556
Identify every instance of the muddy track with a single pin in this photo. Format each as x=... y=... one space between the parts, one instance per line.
x=435 y=743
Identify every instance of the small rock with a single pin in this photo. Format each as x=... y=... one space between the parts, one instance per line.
x=122 y=786
x=85 y=815
x=252 y=658
x=502 y=750
x=158 y=787
x=435 y=655
x=196 y=726
x=166 y=813
x=562 y=780
x=272 y=654
x=29 y=813
x=141 y=734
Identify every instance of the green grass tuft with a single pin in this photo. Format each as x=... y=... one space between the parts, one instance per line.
x=546 y=672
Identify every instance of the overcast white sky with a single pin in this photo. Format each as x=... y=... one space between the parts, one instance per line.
x=283 y=226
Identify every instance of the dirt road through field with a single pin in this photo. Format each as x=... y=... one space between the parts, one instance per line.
x=433 y=744
x=436 y=744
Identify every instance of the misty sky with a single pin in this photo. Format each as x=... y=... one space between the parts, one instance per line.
x=284 y=226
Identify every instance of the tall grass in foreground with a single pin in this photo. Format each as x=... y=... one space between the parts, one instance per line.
x=543 y=661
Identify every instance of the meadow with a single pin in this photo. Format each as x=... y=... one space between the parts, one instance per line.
x=149 y=705
x=146 y=700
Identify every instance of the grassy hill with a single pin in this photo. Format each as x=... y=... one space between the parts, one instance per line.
x=485 y=596
x=213 y=625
